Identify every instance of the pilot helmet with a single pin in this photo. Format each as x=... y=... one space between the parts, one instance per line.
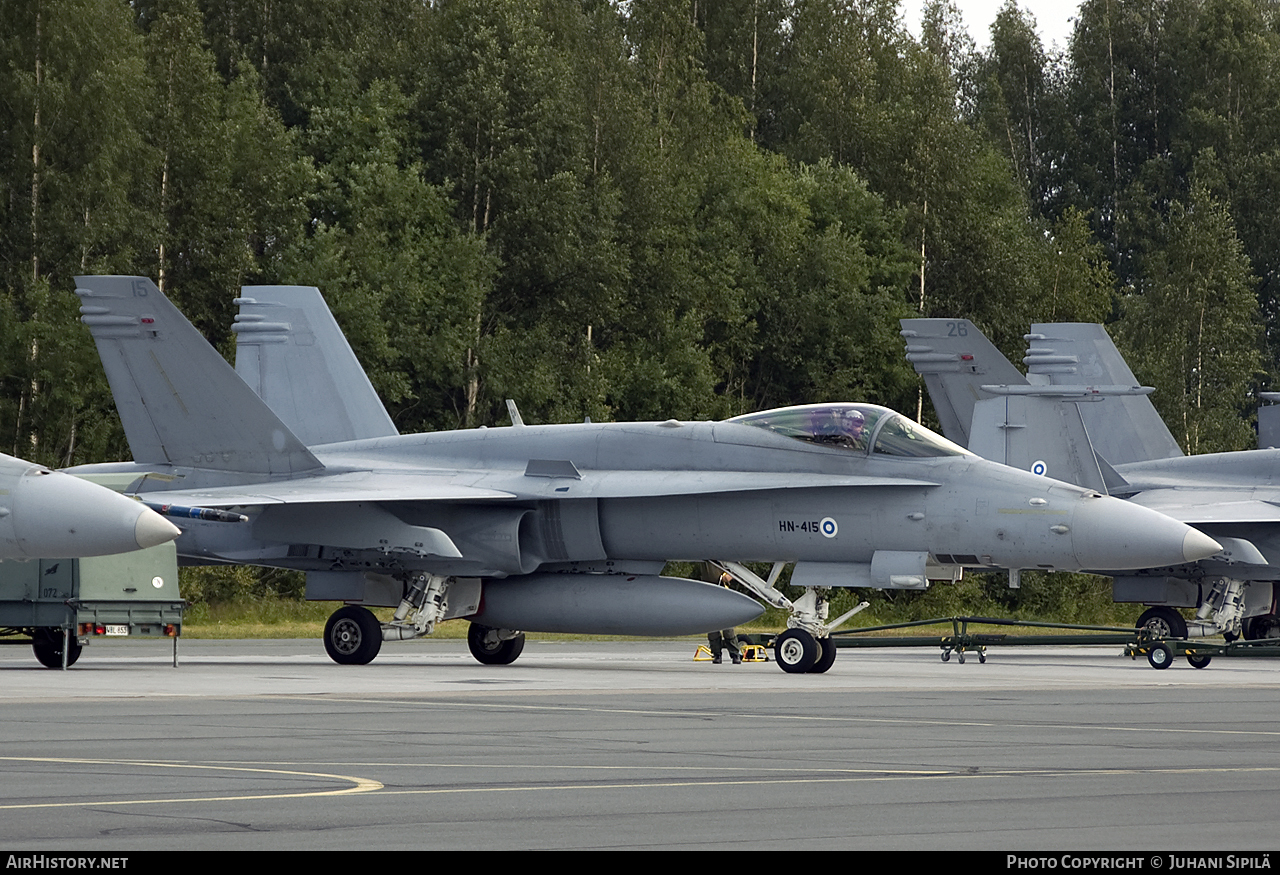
x=854 y=421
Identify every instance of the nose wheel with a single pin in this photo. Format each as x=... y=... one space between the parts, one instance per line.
x=798 y=652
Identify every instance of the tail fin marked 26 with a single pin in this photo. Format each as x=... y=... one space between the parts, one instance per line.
x=1003 y=416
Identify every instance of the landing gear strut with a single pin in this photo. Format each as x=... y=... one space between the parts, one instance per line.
x=806 y=646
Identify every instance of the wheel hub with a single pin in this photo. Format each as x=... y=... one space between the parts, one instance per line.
x=791 y=652
x=346 y=636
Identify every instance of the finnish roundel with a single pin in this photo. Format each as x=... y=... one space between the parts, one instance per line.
x=1039 y=467
x=828 y=527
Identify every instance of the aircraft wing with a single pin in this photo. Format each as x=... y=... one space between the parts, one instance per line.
x=1201 y=507
x=360 y=486
x=395 y=486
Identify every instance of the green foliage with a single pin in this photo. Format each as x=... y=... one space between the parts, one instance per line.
x=1194 y=331
x=217 y=584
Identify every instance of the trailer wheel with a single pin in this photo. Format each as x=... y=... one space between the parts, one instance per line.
x=1198 y=661
x=353 y=635
x=1160 y=656
x=47 y=645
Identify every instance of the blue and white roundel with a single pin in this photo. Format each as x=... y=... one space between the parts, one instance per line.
x=1039 y=467
x=829 y=527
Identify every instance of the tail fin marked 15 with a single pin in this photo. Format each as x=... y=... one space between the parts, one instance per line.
x=180 y=402
x=290 y=350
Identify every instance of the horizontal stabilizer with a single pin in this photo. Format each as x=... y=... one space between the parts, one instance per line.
x=290 y=350
x=1196 y=507
x=179 y=401
x=358 y=526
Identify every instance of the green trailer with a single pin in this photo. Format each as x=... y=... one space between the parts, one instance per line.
x=59 y=605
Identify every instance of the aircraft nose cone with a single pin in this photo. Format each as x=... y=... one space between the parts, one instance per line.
x=57 y=515
x=1115 y=535
x=1197 y=545
x=152 y=529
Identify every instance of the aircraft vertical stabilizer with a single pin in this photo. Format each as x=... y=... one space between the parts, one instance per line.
x=1126 y=428
x=1042 y=435
x=180 y=402
x=1024 y=422
x=956 y=361
x=290 y=350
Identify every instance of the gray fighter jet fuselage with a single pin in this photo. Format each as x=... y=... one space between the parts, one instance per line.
x=513 y=500
x=567 y=527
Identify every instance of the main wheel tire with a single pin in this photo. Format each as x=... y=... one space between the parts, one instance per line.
x=1265 y=626
x=1199 y=661
x=826 y=656
x=47 y=646
x=796 y=651
x=1163 y=622
x=353 y=636
x=491 y=651
x=1160 y=655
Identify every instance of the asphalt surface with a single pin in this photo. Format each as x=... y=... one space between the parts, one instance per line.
x=269 y=745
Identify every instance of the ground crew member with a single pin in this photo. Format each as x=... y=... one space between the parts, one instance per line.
x=723 y=639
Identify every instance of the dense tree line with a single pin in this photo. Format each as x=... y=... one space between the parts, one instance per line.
x=663 y=208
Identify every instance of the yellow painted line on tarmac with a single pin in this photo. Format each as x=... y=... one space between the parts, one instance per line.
x=359 y=785
x=365 y=785
x=878 y=777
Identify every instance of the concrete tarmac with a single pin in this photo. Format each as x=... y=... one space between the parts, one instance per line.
x=630 y=745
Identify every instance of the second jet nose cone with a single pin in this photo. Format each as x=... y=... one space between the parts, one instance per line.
x=152 y=529
x=1197 y=545
x=1113 y=535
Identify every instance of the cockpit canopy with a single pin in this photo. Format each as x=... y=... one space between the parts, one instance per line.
x=859 y=428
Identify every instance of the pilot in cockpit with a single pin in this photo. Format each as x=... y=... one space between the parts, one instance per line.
x=841 y=426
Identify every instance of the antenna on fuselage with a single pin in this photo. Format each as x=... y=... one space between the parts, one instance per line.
x=515 y=413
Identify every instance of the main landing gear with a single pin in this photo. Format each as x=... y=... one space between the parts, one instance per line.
x=353 y=635
x=494 y=646
x=1163 y=622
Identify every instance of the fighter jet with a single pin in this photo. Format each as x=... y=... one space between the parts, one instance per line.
x=568 y=527
x=47 y=514
x=1079 y=415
